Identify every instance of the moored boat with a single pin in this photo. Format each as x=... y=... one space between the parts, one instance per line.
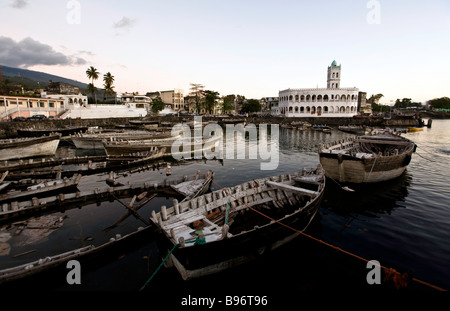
x=21 y=148
x=415 y=129
x=94 y=141
x=382 y=156
x=66 y=131
x=123 y=147
x=355 y=129
x=234 y=225
x=117 y=245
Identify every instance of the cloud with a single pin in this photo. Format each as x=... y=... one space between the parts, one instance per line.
x=125 y=24
x=29 y=52
x=19 y=4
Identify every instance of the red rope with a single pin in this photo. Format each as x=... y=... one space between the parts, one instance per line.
x=390 y=273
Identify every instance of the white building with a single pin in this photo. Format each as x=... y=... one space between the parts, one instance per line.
x=332 y=101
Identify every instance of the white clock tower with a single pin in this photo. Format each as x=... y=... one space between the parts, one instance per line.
x=334 y=76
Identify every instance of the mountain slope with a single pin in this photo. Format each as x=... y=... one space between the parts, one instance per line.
x=38 y=76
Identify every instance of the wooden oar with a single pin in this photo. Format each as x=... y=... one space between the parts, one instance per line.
x=132 y=211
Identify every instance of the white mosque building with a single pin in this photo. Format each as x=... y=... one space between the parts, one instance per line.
x=332 y=101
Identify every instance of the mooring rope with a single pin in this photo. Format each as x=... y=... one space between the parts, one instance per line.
x=396 y=276
x=159 y=267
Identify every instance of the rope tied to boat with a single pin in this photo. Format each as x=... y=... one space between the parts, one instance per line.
x=159 y=267
x=399 y=280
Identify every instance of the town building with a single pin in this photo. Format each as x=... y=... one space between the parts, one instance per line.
x=174 y=99
x=62 y=88
x=268 y=104
x=332 y=101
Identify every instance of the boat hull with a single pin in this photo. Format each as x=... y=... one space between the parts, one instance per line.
x=28 y=148
x=203 y=260
x=88 y=143
x=251 y=237
x=367 y=159
x=62 y=131
x=354 y=170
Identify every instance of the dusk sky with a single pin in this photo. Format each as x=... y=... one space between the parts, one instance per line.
x=253 y=48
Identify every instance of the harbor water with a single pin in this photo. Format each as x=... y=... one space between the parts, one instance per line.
x=403 y=224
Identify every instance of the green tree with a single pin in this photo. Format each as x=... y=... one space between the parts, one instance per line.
x=228 y=103
x=108 y=80
x=92 y=74
x=252 y=105
x=197 y=91
x=404 y=103
x=211 y=98
x=157 y=105
x=440 y=103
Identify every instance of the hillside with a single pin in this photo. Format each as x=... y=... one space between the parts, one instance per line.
x=17 y=75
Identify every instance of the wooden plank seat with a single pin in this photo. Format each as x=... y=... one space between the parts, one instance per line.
x=292 y=188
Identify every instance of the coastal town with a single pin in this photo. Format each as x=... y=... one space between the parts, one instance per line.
x=60 y=100
x=123 y=134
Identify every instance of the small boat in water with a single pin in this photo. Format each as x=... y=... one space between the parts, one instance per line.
x=123 y=147
x=94 y=141
x=234 y=225
x=116 y=246
x=415 y=129
x=354 y=129
x=381 y=156
x=21 y=148
x=42 y=189
x=66 y=131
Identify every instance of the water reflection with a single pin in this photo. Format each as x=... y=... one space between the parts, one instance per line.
x=367 y=199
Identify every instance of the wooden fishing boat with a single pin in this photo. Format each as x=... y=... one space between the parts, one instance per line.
x=322 y=128
x=92 y=254
x=124 y=147
x=41 y=189
x=21 y=148
x=66 y=131
x=143 y=122
x=234 y=225
x=56 y=265
x=24 y=206
x=382 y=156
x=94 y=141
x=354 y=129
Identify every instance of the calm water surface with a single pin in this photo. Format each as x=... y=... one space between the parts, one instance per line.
x=401 y=223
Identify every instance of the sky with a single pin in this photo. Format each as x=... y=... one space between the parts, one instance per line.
x=399 y=48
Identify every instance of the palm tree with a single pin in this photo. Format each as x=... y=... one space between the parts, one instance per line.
x=108 y=78
x=92 y=74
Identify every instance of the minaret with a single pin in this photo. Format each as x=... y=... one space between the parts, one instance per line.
x=334 y=76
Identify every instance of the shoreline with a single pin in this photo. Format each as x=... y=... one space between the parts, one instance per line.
x=8 y=129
